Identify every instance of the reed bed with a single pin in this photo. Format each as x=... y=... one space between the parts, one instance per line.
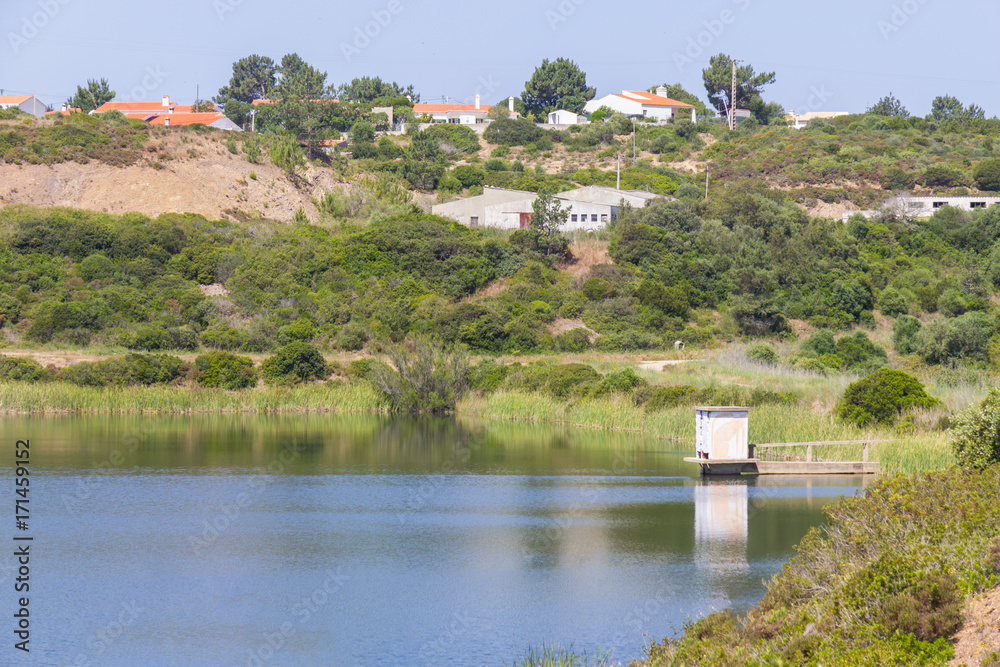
x=63 y=398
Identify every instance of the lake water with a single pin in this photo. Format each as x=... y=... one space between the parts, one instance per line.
x=327 y=540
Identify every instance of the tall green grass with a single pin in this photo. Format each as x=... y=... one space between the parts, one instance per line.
x=557 y=656
x=63 y=398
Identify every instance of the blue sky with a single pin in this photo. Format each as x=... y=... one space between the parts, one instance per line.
x=827 y=56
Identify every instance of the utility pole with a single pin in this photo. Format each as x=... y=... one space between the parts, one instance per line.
x=618 y=183
x=633 y=141
x=706 y=180
x=732 y=100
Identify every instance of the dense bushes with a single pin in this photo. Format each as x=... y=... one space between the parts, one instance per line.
x=21 y=369
x=881 y=397
x=127 y=370
x=975 y=433
x=294 y=363
x=425 y=376
x=225 y=370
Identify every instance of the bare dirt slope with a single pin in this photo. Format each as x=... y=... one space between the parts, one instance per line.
x=980 y=636
x=201 y=176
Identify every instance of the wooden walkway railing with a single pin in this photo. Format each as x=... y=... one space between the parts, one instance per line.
x=866 y=446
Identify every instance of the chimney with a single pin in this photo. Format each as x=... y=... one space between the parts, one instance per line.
x=510 y=103
x=166 y=122
x=477 y=101
x=166 y=101
x=661 y=91
x=65 y=107
x=171 y=108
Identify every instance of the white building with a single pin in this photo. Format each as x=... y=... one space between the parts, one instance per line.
x=924 y=207
x=26 y=103
x=640 y=104
x=461 y=114
x=800 y=120
x=590 y=208
x=563 y=117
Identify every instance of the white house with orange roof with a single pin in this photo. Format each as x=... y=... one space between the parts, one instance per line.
x=26 y=103
x=452 y=112
x=640 y=104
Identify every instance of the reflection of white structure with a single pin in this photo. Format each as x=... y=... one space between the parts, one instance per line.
x=722 y=433
x=720 y=528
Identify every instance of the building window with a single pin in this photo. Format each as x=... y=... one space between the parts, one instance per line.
x=604 y=217
x=573 y=218
x=977 y=204
x=474 y=220
x=939 y=204
x=593 y=217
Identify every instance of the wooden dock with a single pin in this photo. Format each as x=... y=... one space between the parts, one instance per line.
x=763 y=462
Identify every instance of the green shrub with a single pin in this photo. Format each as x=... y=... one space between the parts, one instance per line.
x=987 y=175
x=361 y=369
x=22 y=369
x=975 y=433
x=880 y=397
x=128 y=370
x=763 y=353
x=905 y=332
x=226 y=370
x=488 y=375
x=891 y=302
x=929 y=609
x=151 y=339
x=565 y=379
x=818 y=343
x=425 y=376
x=301 y=330
x=352 y=337
x=858 y=352
x=510 y=132
x=664 y=398
x=574 y=340
x=294 y=363
x=623 y=381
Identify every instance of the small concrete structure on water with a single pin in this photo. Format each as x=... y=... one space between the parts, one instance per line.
x=723 y=447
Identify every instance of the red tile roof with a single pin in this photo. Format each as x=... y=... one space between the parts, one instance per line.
x=64 y=112
x=14 y=99
x=439 y=108
x=178 y=119
x=649 y=99
x=259 y=102
x=149 y=107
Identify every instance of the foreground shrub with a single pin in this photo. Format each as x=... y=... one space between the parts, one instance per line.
x=294 y=363
x=975 y=433
x=881 y=397
x=226 y=370
x=654 y=399
x=564 y=379
x=763 y=353
x=22 y=369
x=124 y=371
x=425 y=376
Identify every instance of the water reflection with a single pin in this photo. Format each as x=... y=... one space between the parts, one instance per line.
x=462 y=542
